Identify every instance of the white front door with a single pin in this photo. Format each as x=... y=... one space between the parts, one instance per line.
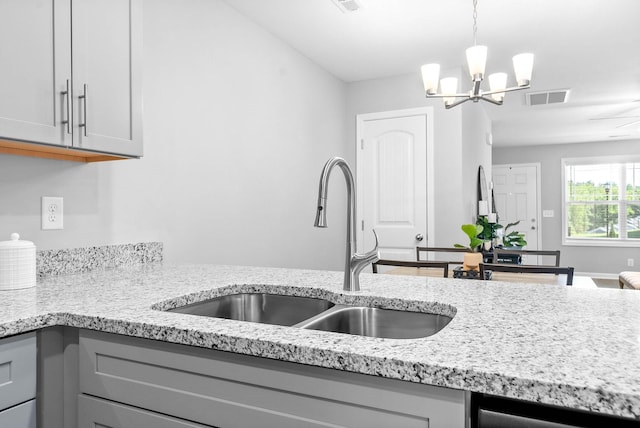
x=395 y=151
x=515 y=190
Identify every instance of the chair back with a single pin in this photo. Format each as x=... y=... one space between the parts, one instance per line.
x=418 y=264
x=528 y=269
x=501 y=255
x=448 y=250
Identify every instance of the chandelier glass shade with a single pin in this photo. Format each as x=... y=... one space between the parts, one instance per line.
x=477 y=61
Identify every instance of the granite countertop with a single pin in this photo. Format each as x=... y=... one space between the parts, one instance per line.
x=552 y=344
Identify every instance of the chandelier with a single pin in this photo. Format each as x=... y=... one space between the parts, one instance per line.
x=477 y=60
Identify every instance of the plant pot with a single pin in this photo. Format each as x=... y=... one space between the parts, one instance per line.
x=471 y=261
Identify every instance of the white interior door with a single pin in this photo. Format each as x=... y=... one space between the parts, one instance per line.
x=392 y=169
x=515 y=189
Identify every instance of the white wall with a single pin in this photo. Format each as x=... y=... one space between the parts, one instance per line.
x=607 y=260
x=237 y=128
x=458 y=148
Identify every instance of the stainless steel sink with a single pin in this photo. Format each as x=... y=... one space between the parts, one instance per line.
x=259 y=307
x=318 y=314
x=375 y=322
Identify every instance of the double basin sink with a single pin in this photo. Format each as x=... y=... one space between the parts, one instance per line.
x=319 y=314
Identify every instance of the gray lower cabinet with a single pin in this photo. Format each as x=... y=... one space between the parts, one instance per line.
x=184 y=384
x=18 y=381
x=94 y=412
x=20 y=416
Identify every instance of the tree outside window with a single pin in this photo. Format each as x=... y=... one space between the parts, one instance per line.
x=602 y=201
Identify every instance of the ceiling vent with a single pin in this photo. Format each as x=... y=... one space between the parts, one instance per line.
x=559 y=96
x=347 y=6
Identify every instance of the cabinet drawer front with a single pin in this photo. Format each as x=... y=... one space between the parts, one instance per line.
x=21 y=416
x=93 y=412
x=17 y=370
x=230 y=390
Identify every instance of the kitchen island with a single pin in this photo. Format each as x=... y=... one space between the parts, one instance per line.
x=547 y=344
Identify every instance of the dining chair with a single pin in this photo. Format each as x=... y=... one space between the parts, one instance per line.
x=441 y=250
x=500 y=253
x=417 y=264
x=528 y=269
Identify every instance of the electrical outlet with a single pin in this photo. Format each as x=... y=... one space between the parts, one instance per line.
x=630 y=262
x=52 y=213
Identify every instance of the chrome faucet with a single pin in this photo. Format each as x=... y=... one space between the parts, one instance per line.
x=354 y=262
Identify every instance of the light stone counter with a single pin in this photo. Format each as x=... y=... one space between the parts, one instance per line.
x=551 y=344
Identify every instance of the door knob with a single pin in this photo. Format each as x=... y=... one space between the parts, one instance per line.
x=419 y=237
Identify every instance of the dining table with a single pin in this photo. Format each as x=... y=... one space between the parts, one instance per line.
x=579 y=281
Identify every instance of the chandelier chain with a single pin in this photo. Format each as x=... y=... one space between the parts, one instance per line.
x=475 y=21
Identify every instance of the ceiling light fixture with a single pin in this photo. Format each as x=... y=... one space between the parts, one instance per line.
x=347 y=6
x=476 y=60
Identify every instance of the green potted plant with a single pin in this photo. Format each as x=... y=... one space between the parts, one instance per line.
x=513 y=239
x=473 y=257
x=489 y=232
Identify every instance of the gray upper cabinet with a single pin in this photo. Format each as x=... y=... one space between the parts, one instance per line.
x=72 y=75
x=107 y=85
x=35 y=51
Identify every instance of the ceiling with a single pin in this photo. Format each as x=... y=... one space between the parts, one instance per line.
x=591 y=47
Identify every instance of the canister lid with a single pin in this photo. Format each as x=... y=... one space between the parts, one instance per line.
x=15 y=242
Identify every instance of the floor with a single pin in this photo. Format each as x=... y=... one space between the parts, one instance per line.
x=606 y=283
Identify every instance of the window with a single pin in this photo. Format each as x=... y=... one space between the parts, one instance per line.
x=601 y=202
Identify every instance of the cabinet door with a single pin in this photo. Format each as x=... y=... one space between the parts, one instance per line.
x=107 y=80
x=230 y=390
x=93 y=412
x=17 y=370
x=35 y=53
x=21 y=416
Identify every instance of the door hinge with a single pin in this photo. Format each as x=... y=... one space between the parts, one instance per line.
x=362 y=144
x=362 y=226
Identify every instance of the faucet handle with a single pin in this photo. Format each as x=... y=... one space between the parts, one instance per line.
x=375 y=235
x=375 y=248
x=359 y=261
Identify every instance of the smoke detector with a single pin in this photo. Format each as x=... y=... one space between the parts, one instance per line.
x=347 y=6
x=559 y=96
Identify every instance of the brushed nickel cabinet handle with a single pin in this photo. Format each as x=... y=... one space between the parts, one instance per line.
x=83 y=97
x=67 y=121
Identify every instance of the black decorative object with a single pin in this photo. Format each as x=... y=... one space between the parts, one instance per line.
x=515 y=259
x=482 y=185
x=460 y=273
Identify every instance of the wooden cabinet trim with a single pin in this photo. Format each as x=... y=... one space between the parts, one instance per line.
x=53 y=152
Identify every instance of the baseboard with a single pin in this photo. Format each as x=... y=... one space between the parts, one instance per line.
x=598 y=275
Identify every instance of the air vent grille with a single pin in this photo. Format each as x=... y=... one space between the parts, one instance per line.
x=347 y=6
x=549 y=97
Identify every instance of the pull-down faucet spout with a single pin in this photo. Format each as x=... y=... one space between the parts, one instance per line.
x=354 y=262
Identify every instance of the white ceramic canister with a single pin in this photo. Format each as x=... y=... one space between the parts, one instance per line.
x=17 y=263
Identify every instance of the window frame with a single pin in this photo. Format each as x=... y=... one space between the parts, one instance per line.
x=621 y=202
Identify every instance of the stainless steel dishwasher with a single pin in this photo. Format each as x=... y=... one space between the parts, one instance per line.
x=496 y=412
